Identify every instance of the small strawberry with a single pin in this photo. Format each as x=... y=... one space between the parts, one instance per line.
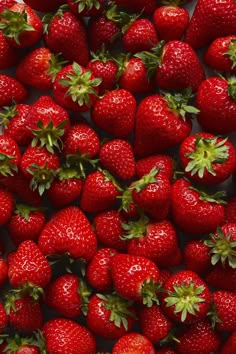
x=3 y=271
x=211 y=19
x=38 y=5
x=21 y=26
x=197 y=257
x=117 y=157
x=170 y=22
x=25 y=224
x=163 y=162
x=222 y=277
x=3 y=319
x=88 y=8
x=98 y=273
x=6 y=3
x=11 y=89
x=185 y=298
x=110 y=316
x=115 y=113
x=138 y=5
x=8 y=54
x=195 y=212
x=135 y=278
x=10 y=156
x=229 y=346
x=135 y=343
x=225 y=307
x=207 y=159
x=230 y=211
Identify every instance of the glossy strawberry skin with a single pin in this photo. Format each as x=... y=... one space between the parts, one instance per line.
x=134 y=342
x=6 y=206
x=10 y=88
x=197 y=257
x=107 y=71
x=45 y=6
x=3 y=271
x=163 y=162
x=8 y=55
x=230 y=345
x=225 y=304
x=64 y=192
x=8 y=146
x=230 y=211
x=221 y=277
x=6 y=3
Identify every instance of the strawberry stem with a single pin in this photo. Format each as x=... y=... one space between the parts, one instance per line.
x=149 y=291
x=7 y=166
x=42 y=177
x=231 y=52
x=146 y=180
x=87 y=4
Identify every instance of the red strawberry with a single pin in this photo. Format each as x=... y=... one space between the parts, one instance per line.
x=21 y=26
x=229 y=346
x=162 y=122
x=186 y=298
x=6 y=206
x=211 y=19
x=222 y=277
x=86 y=7
x=115 y=113
x=109 y=231
x=25 y=224
x=117 y=157
x=163 y=162
x=230 y=211
x=207 y=159
x=198 y=338
x=10 y=156
x=164 y=275
x=134 y=343
x=194 y=211
x=11 y=89
x=220 y=55
x=138 y=5
x=8 y=54
x=22 y=346
x=166 y=350
x=98 y=273
x=66 y=336
x=3 y=271
x=3 y=318
x=66 y=34
x=68 y=231
x=110 y=316
x=225 y=307
x=135 y=278
x=75 y=88
x=197 y=257
x=216 y=101
x=38 y=5
x=6 y=3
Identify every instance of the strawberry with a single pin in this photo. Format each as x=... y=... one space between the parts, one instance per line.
x=98 y=273
x=110 y=316
x=225 y=307
x=76 y=235
x=133 y=342
x=115 y=113
x=166 y=350
x=220 y=55
x=66 y=34
x=21 y=345
x=174 y=65
x=163 y=162
x=3 y=271
x=88 y=8
x=197 y=257
x=6 y=3
x=195 y=212
x=164 y=275
x=10 y=156
x=15 y=123
x=162 y=122
x=11 y=89
x=8 y=54
x=170 y=22
x=21 y=26
x=66 y=336
x=25 y=224
x=108 y=229
x=76 y=88
x=39 y=68
x=210 y=20
x=229 y=346
x=3 y=318
x=154 y=240
x=117 y=157
x=216 y=102
x=99 y=193
x=222 y=277
x=138 y=5
x=44 y=6
x=198 y=338
x=230 y=211
x=40 y=167
x=67 y=295
x=207 y=159
x=135 y=278
x=185 y=298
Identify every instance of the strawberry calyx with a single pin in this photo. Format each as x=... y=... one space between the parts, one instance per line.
x=7 y=114
x=122 y=61
x=42 y=177
x=80 y=85
x=149 y=290
x=121 y=18
x=109 y=178
x=101 y=55
x=24 y=210
x=146 y=180
x=14 y=23
x=185 y=298
x=32 y=290
x=152 y=59
x=231 y=52
x=175 y=3
x=213 y=315
x=7 y=166
x=67 y=262
x=56 y=63
x=87 y=5
x=232 y=88
x=212 y=198
x=126 y=200
x=49 y=135
x=119 y=309
x=17 y=342
x=135 y=229
x=49 y=17
x=208 y=151
x=84 y=292
x=67 y=173
x=222 y=248
x=78 y=162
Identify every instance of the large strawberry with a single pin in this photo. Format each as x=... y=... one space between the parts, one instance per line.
x=211 y=19
x=135 y=343
x=11 y=89
x=8 y=54
x=10 y=156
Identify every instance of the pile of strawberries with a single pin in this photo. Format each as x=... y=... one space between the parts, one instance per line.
x=116 y=233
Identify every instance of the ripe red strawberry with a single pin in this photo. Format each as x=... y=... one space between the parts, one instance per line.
x=86 y=8
x=39 y=68
x=3 y=319
x=165 y=350
x=186 y=298
x=21 y=26
x=225 y=307
x=8 y=55
x=25 y=224
x=229 y=346
x=6 y=206
x=66 y=34
x=115 y=113
x=22 y=346
x=194 y=211
x=220 y=55
x=230 y=211
x=75 y=88
x=3 y=271
x=110 y=316
x=162 y=122
x=38 y=5
x=174 y=65
x=210 y=20
x=99 y=193
x=68 y=231
x=29 y=267
x=10 y=156
x=62 y=335
x=133 y=342
x=98 y=273
x=207 y=159
x=163 y=162
x=117 y=157
x=14 y=120
x=138 y=5
x=197 y=257
x=216 y=102
x=6 y=3
x=135 y=278
x=109 y=230
x=222 y=277
x=11 y=89
x=198 y=338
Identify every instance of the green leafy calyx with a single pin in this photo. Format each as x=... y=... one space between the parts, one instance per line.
x=146 y=180
x=135 y=229
x=42 y=177
x=152 y=60
x=231 y=52
x=7 y=165
x=149 y=291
